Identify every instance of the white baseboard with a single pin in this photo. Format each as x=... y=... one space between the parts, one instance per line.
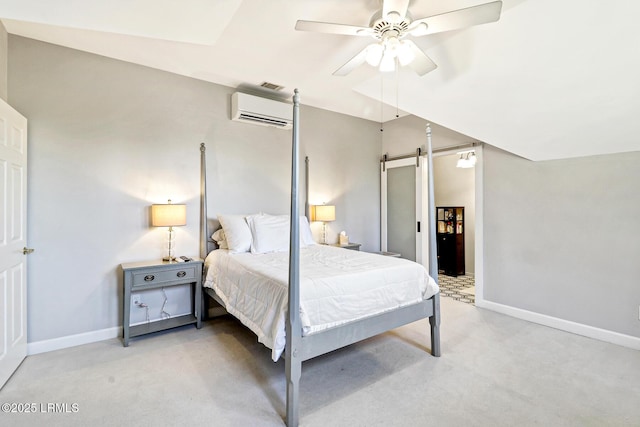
x=73 y=340
x=564 y=325
x=530 y=316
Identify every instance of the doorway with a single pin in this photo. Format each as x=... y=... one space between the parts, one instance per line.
x=456 y=186
x=452 y=187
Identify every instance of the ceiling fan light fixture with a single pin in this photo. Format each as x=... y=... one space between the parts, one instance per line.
x=392 y=23
x=374 y=54
x=405 y=54
x=388 y=62
x=392 y=43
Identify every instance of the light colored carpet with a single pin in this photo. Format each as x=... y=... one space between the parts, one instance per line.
x=494 y=371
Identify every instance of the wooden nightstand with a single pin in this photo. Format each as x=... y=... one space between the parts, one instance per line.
x=350 y=245
x=142 y=276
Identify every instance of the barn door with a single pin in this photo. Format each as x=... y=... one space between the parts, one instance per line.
x=13 y=231
x=402 y=207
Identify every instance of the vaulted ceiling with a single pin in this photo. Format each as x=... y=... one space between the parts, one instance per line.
x=551 y=79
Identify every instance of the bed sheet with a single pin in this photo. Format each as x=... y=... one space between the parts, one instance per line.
x=336 y=286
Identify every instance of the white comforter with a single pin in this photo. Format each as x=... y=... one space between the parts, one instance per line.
x=336 y=286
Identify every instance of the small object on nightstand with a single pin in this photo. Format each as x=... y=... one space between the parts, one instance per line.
x=344 y=239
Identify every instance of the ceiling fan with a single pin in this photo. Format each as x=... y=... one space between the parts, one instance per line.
x=392 y=24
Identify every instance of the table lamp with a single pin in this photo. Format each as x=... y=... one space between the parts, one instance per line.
x=324 y=213
x=169 y=215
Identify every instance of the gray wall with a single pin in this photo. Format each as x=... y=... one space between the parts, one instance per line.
x=4 y=38
x=108 y=138
x=561 y=238
x=344 y=155
x=404 y=135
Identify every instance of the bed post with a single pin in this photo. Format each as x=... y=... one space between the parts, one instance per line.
x=306 y=189
x=434 y=320
x=293 y=362
x=204 y=306
x=203 y=202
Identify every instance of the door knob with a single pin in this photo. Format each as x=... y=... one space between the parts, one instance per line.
x=27 y=251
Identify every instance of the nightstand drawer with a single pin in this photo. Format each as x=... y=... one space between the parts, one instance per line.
x=184 y=273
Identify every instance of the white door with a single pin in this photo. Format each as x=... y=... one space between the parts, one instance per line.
x=402 y=202
x=13 y=230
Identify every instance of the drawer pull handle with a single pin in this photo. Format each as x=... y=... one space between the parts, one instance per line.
x=149 y=278
x=181 y=273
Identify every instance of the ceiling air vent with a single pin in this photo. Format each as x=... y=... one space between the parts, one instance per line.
x=271 y=86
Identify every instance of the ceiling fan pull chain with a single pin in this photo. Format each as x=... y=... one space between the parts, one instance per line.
x=381 y=100
x=397 y=90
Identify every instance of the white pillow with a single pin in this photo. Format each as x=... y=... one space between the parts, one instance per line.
x=236 y=231
x=306 y=237
x=270 y=233
x=219 y=236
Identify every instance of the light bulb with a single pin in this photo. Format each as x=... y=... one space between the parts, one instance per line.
x=405 y=54
x=374 y=54
x=392 y=44
x=388 y=62
x=467 y=159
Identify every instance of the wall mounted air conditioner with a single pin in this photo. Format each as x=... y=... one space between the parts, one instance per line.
x=261 y=111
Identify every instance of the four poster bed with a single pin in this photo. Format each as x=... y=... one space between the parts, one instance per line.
x=341 y=297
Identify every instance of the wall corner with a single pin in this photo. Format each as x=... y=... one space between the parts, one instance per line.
x=4 y=61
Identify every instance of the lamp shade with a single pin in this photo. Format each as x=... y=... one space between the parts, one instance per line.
x=168 y=215
x=325 y=213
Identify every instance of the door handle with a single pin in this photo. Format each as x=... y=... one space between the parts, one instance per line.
x=27 y=251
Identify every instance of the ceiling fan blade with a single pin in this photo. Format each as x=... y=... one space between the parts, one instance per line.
x=352 y=64
x=421 y=63
x=461 y=18
x=394 y=10
x=327 y=27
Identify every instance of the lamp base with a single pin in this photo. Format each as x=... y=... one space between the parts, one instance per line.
x=169 y=259
x=324 y=233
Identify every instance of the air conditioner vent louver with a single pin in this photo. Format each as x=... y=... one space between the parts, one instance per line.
x=263 y=119
x=262 y=111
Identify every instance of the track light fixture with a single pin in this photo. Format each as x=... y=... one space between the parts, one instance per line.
x=467 y=159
